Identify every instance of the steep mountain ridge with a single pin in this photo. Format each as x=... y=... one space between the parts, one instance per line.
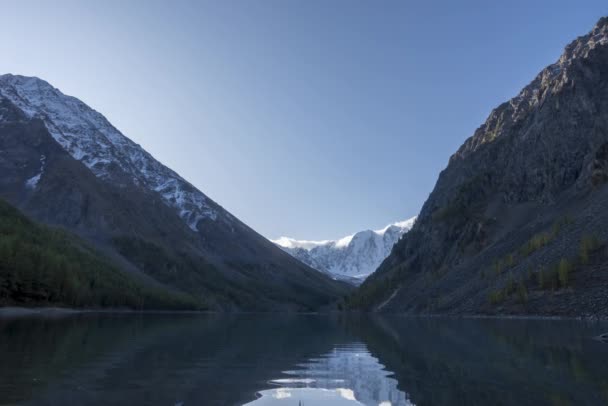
x=89 y=138
x=515 y=223
x=351 y=258
x=64 y=164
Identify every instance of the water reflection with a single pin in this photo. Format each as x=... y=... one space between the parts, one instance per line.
x=261 y=360
x=348 y=374
x=155 y=359
x=306 y=396
x=498 y=362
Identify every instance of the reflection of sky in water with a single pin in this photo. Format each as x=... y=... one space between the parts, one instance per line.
x=348 y=375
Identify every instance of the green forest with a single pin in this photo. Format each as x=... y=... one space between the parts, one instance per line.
x=42 y=266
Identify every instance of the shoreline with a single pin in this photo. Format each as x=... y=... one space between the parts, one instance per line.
x=538 y=317
x=19 y=311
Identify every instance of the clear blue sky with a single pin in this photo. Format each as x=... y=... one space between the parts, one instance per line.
x=311 y=119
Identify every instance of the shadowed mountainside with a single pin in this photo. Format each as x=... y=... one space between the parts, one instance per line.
x=64 y=164
x=516 y=223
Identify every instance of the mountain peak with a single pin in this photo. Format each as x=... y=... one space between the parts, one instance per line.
x=550 y=81
x=20 y=79
x=580 y=47
x=90 y=138
x=353 y=256
x=288 y=242
x=33 y=85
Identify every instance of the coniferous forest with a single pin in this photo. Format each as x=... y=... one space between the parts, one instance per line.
x=41 y=265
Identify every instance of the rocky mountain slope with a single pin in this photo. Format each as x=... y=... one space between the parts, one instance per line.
x=351 y=258
x=517 y=222
x=64 y=164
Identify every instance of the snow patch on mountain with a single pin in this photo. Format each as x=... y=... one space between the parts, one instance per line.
x=90 y=138
x=354 y=256
x=32 y=182
x=287 y=242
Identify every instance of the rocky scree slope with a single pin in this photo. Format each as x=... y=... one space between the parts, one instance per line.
x=64 y=164
x=517 y=222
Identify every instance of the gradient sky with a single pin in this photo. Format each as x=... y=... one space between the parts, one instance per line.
x=311 y=119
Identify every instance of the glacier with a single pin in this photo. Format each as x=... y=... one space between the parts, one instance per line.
x=352 y=258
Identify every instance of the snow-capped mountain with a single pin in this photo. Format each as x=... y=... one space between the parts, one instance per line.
x=353 y=257
x=88 y=137
x=63 y=164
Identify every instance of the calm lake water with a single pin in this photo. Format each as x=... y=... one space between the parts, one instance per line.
x=258 y=360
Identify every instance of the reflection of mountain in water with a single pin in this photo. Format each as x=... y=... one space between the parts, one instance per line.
x=353 y=367
x=348 y=372
x=443 y=361
x=220 y=360
x=211 y=360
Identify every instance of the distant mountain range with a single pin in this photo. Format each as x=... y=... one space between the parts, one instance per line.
x=63 y=164
x=517 y=222
x=351 y=258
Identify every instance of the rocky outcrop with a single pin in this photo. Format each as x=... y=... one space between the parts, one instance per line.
x=525 y=193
